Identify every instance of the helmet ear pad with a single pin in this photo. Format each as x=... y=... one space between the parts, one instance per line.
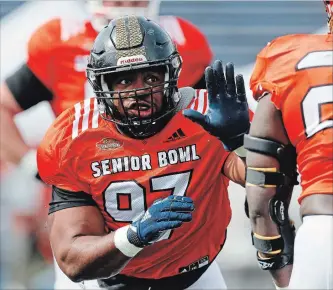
x=126 y=45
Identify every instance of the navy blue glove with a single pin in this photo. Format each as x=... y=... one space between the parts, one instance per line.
x=228 y=114
x=164 y=214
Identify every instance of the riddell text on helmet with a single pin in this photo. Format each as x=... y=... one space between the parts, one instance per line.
x=131 y=59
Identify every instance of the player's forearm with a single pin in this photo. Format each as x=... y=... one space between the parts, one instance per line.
x=12 y=148
x=234 y=169
x=92 y=257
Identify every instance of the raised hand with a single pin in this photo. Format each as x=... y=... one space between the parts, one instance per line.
x=228 y=115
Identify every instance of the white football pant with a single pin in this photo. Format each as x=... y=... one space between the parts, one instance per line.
x=313 y=254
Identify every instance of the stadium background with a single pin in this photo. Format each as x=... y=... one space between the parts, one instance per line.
x=236 y=30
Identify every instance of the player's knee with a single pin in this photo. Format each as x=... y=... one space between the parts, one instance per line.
x=258 y=209
x=256 y=213
x=258 y=217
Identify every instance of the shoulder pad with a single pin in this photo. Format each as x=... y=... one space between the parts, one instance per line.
x=54 y=154
x=281 y=45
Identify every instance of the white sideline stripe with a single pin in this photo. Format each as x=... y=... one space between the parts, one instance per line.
x=86 y=107
x=95 y=114
x=75 y=130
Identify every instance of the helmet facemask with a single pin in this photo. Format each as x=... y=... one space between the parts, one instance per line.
x=130 y=46
x=116 y=106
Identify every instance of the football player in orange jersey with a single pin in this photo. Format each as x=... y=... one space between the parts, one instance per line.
x=55 y=71
x=59 y=49
x=139 y=191
x=293 y=83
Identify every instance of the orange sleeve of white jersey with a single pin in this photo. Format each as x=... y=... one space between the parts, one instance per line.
x=40 y=47
x=54 y=160
x=192 y=46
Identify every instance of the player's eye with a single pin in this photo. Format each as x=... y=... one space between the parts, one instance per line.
x=152 y=79
x=123 y=81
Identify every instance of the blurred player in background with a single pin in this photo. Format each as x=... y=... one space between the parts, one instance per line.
x=293 y=83
x=57 y=56
x=128 y=168
x=55 y=72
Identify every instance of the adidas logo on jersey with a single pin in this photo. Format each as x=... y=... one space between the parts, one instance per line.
x=179 y=134
x=195 y=265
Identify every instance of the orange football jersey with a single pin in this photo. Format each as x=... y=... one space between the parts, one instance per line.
x=58 y=52
x=83 y=152
x=298 y=71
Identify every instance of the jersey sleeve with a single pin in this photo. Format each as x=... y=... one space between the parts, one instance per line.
x=192 y=46
x=62 y=199
x=40 y=51
x=54 y=159
x=271 y=72
x=200 y=101
x=26 y=88
x=259 y=82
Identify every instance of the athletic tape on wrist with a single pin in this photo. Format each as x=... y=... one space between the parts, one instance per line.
x=123 y=245
x=28 y=162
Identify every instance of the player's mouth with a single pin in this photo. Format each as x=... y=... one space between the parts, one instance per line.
x=140 y=109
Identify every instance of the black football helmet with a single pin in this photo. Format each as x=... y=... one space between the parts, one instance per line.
x=133 y=43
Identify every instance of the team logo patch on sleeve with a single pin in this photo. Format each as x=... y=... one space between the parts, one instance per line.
x=195 y=265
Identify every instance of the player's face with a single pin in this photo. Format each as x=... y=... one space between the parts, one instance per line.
x=146 y=102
